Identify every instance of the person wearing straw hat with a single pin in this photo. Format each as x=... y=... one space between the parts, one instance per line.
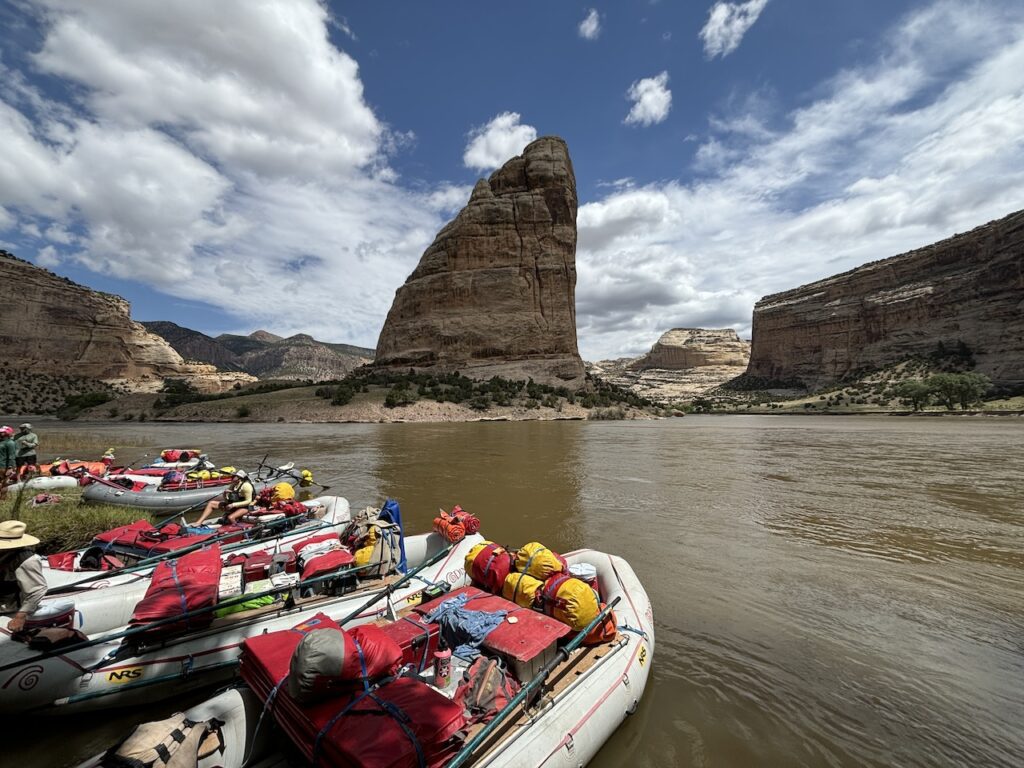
x=22 y=584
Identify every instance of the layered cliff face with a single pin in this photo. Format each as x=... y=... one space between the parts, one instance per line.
x=495 y=294
x=683 y=348
x=264 y=354
x=51 y=325
x=683 y=364
x=969 y=288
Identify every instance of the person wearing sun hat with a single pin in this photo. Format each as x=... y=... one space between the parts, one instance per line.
x=22 y=584
x=234 y=502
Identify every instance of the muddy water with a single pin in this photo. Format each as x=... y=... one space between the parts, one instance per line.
x=827 y=591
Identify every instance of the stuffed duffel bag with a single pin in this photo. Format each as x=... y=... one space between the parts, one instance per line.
x=539 y=561
x=569 y=600
x=488 y=565
x=522 y=589
x=329 y=661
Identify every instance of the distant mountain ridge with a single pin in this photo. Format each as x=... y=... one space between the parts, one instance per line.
x=265 y=354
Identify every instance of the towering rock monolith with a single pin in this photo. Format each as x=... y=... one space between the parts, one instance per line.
x=495 y=294
x=966 y=292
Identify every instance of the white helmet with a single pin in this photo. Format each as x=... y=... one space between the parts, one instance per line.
x=241 y=473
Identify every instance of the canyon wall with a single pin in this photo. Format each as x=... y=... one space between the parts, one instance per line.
x=968 y=288
x=51 y=325
x=495 y=294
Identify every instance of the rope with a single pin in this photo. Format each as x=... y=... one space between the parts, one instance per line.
x=634 y=630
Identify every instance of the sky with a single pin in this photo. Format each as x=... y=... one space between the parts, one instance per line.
x=283 y=164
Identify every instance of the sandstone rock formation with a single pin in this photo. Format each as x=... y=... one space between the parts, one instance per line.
x=495 y=292
x=682 y=348
x=968 y=288
x=51 y=325
x=683 y=364
x=264 y=354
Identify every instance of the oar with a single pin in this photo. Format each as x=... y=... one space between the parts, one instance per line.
x=142 y=564
x=226 y=603
x=392 y=587
x=466 y=752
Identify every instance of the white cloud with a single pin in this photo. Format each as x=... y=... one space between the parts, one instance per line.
x=221 y=152
x=651 y=99
x=727 y=24
x=48 y=257
x=923 y=142
x=590 y=27
x=492 y=145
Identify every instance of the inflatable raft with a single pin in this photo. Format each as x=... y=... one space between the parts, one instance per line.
x=101 y=600
x=562 y=705
x=45 y=483
x=224 y=739
x=163 y=500
x=154 y=660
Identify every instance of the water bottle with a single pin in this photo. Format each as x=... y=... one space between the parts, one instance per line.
x=442 y=666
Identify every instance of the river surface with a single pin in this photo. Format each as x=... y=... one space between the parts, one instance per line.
x=827 y=591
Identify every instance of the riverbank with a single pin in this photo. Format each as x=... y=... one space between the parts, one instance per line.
x=67 y=524
x=309 y=405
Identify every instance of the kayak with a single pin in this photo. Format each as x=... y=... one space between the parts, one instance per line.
x=122 y=669
x=152 y=497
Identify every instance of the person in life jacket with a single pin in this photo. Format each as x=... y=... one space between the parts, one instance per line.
x=22 y=584
x=235 y=501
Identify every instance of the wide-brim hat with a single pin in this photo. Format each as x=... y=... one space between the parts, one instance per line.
x=13 y=536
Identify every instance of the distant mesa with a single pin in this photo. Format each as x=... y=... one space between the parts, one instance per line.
x=683 y=364
x=495 y=294
x=965 y=292
x=266 y=355
x=682 y=348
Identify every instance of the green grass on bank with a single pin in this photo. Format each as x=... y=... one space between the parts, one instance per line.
x=67 y=525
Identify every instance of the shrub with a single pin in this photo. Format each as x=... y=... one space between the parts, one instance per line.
x=242 y=411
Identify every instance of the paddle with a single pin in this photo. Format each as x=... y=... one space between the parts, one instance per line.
x=466 y=752
x=232 y=601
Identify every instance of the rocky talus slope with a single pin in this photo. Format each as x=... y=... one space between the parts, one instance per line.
x=53 y=326
x=683 y=364
x=495 y=292
x=968 y=288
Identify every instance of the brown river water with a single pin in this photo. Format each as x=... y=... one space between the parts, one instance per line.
x=827 y=591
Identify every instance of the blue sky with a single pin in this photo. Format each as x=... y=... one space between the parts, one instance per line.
x=282 y=164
